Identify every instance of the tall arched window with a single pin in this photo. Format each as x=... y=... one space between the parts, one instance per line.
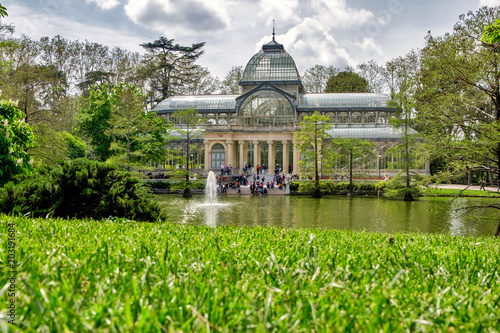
x=218 y=156
x=266 y=107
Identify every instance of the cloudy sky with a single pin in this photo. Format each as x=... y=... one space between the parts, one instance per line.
x=326 y=32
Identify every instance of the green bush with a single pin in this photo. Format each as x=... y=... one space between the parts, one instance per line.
x=331 y=187
x=80 y=189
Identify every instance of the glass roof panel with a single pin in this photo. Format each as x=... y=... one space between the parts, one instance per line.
x=343 y=100
x=368 y=132
x=200 y=102
x=275 y=65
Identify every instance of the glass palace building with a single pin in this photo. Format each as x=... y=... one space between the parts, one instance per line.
x=259 y=126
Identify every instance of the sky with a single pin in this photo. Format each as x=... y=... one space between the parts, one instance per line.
x=325 y=32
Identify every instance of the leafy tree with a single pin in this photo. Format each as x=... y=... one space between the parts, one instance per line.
x=94 y=122
x=313 y=132
x=188 y=123
x=404 y=71
x=16 y=137
x=80 y=189
x=169 y=65
x=346 y=82
x=230 y=84
x=316 y=77
x=374 y=76
x=358 y=152
x=459 y=97
x=131 y=129
x=491 y=34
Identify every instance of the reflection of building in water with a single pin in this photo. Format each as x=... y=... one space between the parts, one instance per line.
x=259 y=126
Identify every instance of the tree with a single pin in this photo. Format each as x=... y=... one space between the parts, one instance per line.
x=169 y=65
x=346 y=82
x=80 y=189
x=404 y=71
x=459 y=97
x=316 y=77
x=357 y=150
x=230 y=84
x=188 y=128
x=131 y=129
x=374 y=76
x=15 y=138
x=491 y=34
x=313 y=132
x=94 y=122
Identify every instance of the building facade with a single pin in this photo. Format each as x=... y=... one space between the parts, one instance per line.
x=259 y=126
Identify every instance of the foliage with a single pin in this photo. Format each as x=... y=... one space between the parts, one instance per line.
x=138 y=137
x=316 y=77
x=169 y=66
x=313 y=132
x=230 y=85
x=338 y=187
x=75 y=147
x=491 y=33
x=94 y=122
x=16 y=137
x=398 y=185
x=458 y=100
x=346 y=82
x=357 y=151
x=188 y=123
x=80 y=188
x=170 y=277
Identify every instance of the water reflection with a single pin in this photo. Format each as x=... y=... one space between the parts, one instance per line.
x=432 y=215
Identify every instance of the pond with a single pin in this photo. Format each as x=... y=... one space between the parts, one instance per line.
x=374 y=214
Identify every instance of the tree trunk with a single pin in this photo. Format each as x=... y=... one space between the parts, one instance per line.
x=317 y=191
x=350 y=193
x=497 y=232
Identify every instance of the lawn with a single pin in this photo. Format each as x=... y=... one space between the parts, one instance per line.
x=123 y=276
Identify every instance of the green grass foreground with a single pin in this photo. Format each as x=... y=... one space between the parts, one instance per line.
x=123 y=276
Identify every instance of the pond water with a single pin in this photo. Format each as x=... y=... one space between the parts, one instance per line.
x=426 y=215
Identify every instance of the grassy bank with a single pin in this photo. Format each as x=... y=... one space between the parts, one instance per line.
x=109 y=276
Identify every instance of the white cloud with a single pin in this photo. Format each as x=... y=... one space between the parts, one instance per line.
x=105 y=4
x=36 y=24
x=172 y=17
x=489 y=3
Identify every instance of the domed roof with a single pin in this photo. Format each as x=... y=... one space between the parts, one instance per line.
x=272 y=64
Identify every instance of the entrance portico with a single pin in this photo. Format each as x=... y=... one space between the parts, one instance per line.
x=240 y=147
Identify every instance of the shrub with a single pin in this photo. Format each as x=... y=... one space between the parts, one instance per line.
x=81 y=188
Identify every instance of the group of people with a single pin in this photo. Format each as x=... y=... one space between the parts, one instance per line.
x=226 y=169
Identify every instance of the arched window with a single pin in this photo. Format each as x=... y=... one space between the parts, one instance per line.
x=266 y=107
x=343 y=117
x=218 y=156
x=369 y=117
x=356 y=117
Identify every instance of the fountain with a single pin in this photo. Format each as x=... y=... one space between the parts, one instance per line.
x=211 y=189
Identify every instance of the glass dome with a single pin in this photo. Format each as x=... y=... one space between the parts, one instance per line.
x=266 y=107
x=272 y=63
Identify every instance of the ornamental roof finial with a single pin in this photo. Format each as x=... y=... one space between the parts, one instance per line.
x=273 y=32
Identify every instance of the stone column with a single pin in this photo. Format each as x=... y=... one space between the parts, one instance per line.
x=286 y=160
x=270 y=157
x=208 y=162
x=256 y=155
x=242 y=153
x=296 y=157
x=230 y=150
